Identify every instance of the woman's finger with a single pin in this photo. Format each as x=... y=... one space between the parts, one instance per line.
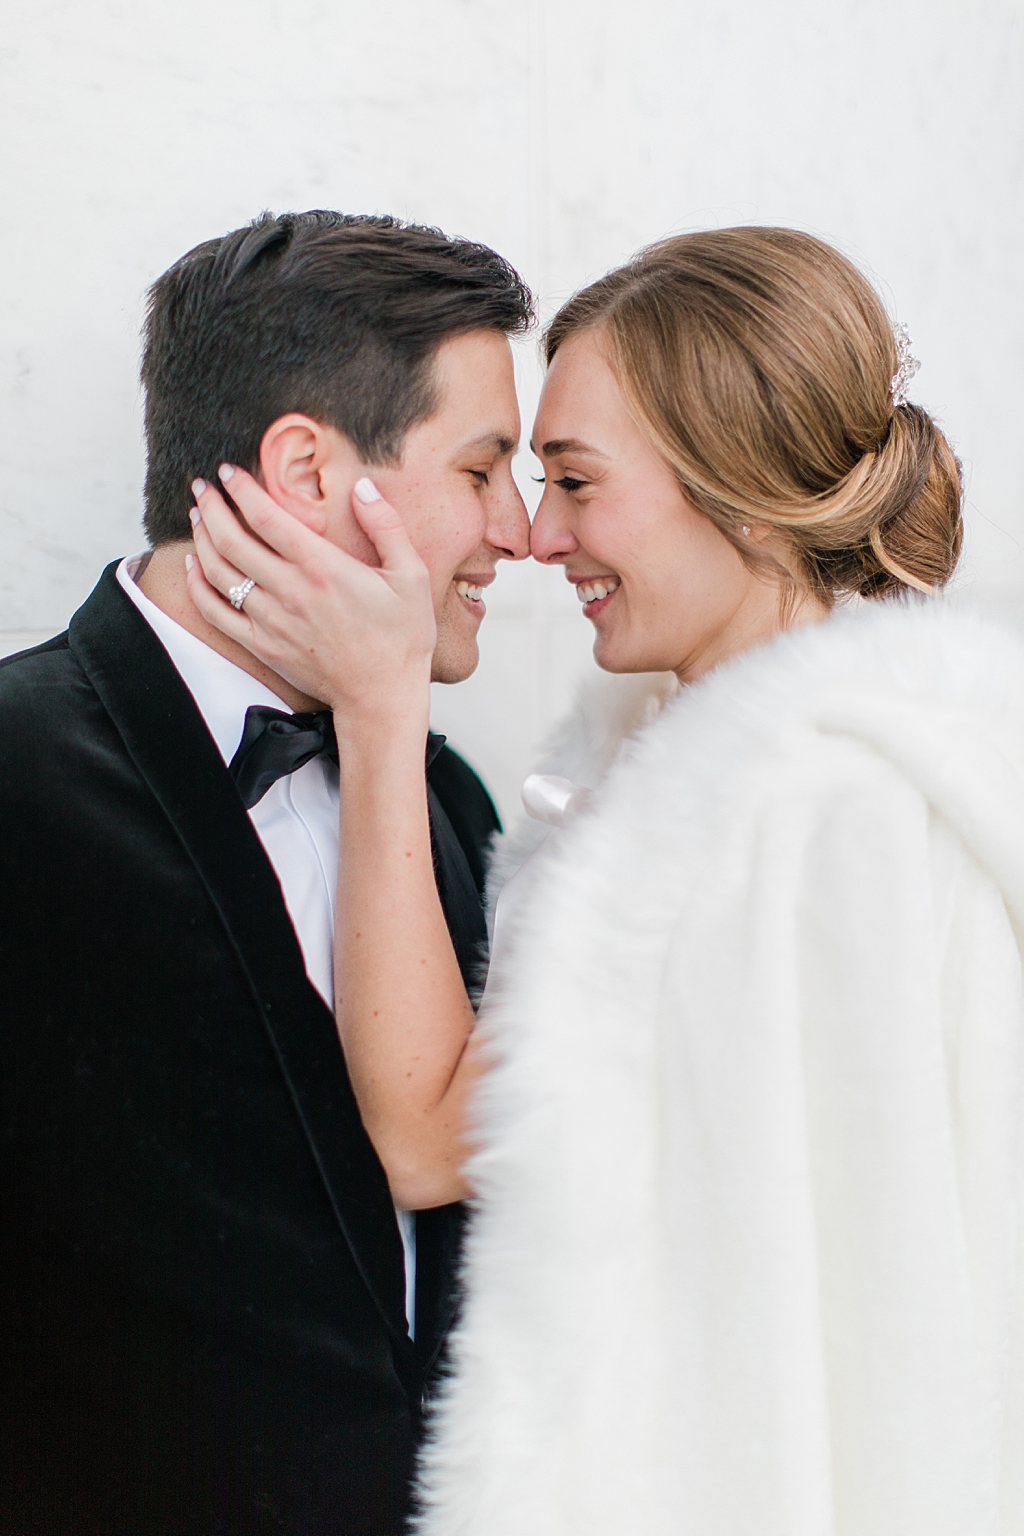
x=220 y=573
x=232 y=541
x=223 y=578
x=289 y=545
x=216 y=609
x=263 y=613
x=383 y=526
x=334 y=626
x=278 y=529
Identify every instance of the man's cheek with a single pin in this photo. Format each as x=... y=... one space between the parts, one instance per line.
x=464 y=531
x=445 y=597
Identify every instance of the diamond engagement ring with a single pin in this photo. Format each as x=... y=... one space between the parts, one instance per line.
x=238 y=595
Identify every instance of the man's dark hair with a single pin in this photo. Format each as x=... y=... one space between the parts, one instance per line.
x=335 y=315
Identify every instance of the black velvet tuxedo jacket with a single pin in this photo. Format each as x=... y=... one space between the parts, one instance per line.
x=202 y=1278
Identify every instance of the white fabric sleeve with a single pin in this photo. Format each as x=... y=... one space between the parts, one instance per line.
x=843 y=1044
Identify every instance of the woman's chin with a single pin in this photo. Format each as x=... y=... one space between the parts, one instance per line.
x=619 y=658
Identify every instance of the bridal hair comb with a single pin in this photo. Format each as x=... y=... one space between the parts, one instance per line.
x=907 y=365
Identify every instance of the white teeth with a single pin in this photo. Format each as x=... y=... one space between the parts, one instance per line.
x=466 y=589
x=588 y=591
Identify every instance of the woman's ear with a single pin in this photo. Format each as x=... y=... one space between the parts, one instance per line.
x=294 y=453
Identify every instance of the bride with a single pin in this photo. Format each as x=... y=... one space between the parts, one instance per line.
x=742 y=1111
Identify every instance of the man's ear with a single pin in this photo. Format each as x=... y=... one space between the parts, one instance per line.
x=301 y=462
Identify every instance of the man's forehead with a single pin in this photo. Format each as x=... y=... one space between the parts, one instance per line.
x=476 y=409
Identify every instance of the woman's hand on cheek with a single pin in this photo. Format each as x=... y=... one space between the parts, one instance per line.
x=358 y=637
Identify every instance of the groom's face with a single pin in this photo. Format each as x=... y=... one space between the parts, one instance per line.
x=452 y=485
x=455 y=491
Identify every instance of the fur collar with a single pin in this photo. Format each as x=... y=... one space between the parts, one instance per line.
x=917 y=678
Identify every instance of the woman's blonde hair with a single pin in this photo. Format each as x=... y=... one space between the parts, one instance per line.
x=761 y=363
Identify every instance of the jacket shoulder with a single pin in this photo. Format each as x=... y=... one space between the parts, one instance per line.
x=58 y=644
x=27 y=676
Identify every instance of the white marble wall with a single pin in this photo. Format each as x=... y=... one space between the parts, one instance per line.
x=566 y=133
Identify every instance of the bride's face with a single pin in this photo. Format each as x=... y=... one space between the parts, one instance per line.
x=677 y=596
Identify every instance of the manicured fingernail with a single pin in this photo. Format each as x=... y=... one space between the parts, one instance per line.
x=366 y=490
x=226 y=471
x=198 y=487
x=190 y=561
x=195 y=516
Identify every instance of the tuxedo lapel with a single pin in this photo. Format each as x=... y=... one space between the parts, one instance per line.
x=167 y=740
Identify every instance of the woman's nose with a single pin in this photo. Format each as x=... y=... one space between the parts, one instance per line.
x=551 y=537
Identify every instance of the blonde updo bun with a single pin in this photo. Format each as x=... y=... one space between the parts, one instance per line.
x=761 y=363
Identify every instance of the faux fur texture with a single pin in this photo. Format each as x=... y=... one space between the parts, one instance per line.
x=746 y=1257
x=582 y=748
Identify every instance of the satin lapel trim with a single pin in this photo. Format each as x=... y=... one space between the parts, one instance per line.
x=167 y=740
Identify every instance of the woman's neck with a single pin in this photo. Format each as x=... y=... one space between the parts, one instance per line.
x=766 y=611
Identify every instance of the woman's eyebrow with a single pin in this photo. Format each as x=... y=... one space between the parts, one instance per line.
x=559 y=445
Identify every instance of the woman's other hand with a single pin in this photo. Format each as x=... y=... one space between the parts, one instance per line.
x=358 y=637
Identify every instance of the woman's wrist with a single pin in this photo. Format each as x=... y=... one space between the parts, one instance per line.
x=402 y=709
x=383 y=733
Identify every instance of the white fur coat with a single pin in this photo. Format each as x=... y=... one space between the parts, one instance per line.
x=747 y=1259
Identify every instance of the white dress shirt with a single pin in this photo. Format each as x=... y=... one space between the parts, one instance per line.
x=296 y=820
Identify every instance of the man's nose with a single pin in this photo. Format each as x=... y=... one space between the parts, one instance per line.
x=551 y=537
x=508 y=528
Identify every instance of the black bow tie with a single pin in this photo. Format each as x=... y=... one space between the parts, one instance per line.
x=275 y=743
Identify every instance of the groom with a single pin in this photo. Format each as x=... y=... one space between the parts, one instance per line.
x=214 y=1318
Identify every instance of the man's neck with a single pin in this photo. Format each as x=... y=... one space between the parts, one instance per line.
x=162 y=580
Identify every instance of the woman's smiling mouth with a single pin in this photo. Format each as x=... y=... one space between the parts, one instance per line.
x=595 y=592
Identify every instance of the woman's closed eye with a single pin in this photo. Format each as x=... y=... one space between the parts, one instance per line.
x=567 y=482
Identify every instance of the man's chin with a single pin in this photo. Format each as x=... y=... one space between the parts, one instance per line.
x=454 y=663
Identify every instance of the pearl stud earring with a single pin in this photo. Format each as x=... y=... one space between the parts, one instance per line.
x=746 y=529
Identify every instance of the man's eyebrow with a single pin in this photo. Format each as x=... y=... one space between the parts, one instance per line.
x=499 y=441
x=559 y=445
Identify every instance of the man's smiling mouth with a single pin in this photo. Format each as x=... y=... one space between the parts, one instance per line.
x=471 y=588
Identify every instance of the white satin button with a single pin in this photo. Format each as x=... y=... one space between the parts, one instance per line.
x=548 y=797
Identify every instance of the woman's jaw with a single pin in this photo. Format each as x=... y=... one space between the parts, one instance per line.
x=686 y=615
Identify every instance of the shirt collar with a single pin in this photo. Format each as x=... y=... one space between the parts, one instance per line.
x=222 y=691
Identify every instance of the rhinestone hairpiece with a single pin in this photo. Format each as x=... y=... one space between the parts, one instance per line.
x=907 y=365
